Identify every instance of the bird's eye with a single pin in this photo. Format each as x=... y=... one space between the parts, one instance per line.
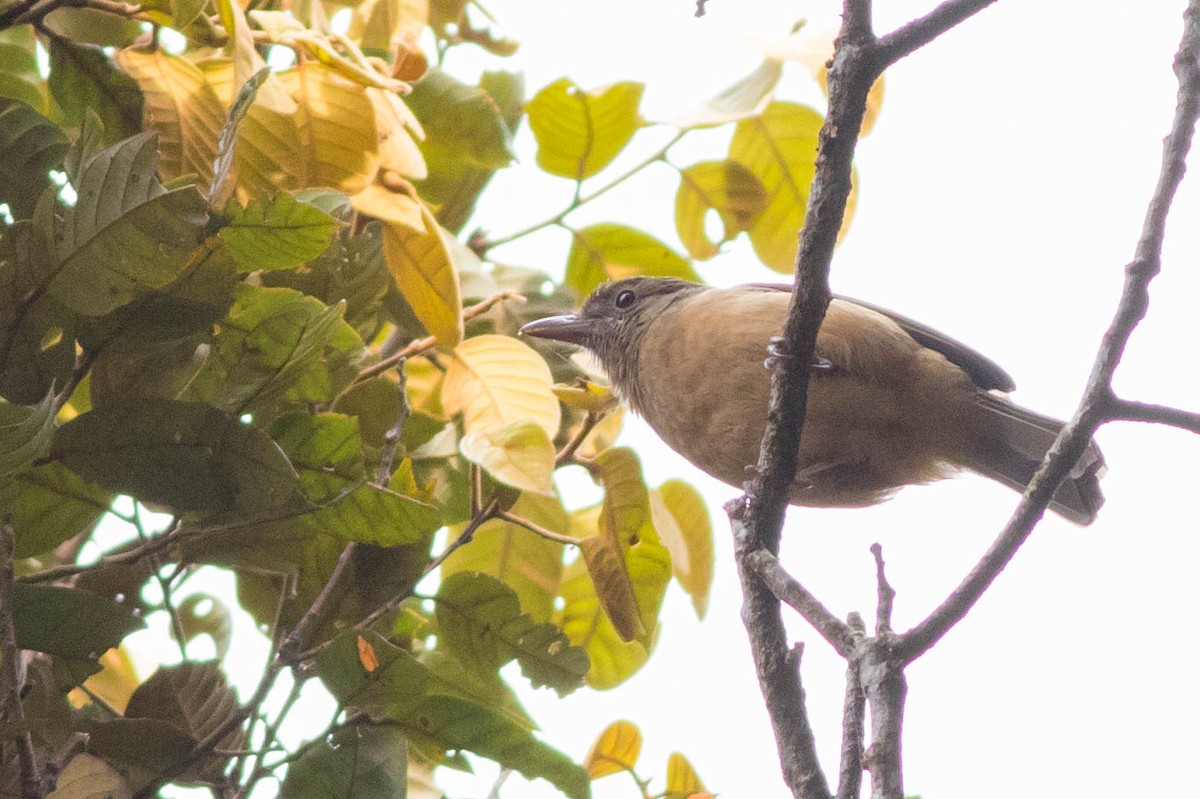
x=625 y=299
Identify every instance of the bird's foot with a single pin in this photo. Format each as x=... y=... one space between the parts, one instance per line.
x=778 y=351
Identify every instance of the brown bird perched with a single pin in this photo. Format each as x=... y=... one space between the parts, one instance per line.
x=891 y=402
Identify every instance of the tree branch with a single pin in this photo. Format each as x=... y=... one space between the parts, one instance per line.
x=789 y=591
x=920 y=32
x=854 y=708
x=1130 y=411
x=1095 y=407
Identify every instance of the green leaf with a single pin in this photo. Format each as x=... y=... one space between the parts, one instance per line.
x=481 y=623
x=24 y=434
x=144 y=747
x=780 y=148
x=194 y=699
x=461 y=119
x=68 y=622
x=280 y=233
x=276 y=344
x=366 y=761
x=578 y=132
x=37 y=347
x=460 y=163
x=20 y=78
x=32 y=146
x=726 y=187
x=50 y=504
x=184 y=455
x=528 y=564
x=82 y=77
x=401 y=690
x=609 y=251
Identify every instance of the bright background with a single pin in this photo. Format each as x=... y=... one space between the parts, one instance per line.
x=1001 y=193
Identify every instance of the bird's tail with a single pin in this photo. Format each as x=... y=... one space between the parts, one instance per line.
x=1012 y=451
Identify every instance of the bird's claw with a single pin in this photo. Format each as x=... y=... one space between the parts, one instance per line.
x=778 y=350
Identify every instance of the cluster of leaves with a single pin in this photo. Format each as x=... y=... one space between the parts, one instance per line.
x=617 y=751
x=238 y=296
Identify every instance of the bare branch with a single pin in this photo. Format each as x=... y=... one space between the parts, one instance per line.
x=886 y=594
x=854 y=709
x=1130 y=411
x=1094 y=407
x=789 y=591
x=920 y=32
x=883 y=681
x=537 y=529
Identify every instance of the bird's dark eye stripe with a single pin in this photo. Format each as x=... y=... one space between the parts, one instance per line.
x=625 y=299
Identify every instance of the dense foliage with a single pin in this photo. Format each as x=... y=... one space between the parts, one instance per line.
x=248 y=300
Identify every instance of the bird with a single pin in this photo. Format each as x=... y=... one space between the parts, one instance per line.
x=891 y=402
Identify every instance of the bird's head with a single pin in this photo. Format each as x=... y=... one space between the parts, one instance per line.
x=613 y=321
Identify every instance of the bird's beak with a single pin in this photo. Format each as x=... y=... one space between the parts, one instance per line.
x=570 y=328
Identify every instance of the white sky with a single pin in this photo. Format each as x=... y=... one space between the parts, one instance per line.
x=1001 y=194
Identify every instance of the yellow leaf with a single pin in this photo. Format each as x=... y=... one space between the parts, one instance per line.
x=337 y=122
x=392 y=207
x=89 y=776
x=682 y=779
x=608 y=251
x=587 y=396
x=728 y=188
x=580 y=132
x=682 y=522
x=422 y=267
x=616 y=750
x=247 y=61
x=398 y=131
x=180 y=105
x=520 y=455
x=380 y=25
x=780 y=148
x=114 y=683
x=496 y=380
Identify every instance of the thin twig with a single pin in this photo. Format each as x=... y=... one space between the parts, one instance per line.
x=854 y=708
x=1130 y=411
x=149 y=548
x=31 y=781
x=579 y=200
x=1135 y=300
x=537 y=529
x=164 y=582
x=568 y=452
x=429 y=342
x=270 y=738
x=789 y=591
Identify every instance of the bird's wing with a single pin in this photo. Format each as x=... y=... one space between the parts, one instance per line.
x=983 y=371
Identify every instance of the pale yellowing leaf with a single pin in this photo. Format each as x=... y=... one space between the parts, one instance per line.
x=603 y=435
x=398 y=131
x=337 y=122
x=494 y=381
x=681 y=520
x=587 y=396
x=247 y=62
x=726 y=187
x=114 y=683
x=747 y=97
x=520 y=455
x=89 y=777
x=616 y=750
x=780 y=148
x=391 y=207
x=423 y=269
x=181 y=107
x=608 y=251
x=580 y=132
x=682 y=779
